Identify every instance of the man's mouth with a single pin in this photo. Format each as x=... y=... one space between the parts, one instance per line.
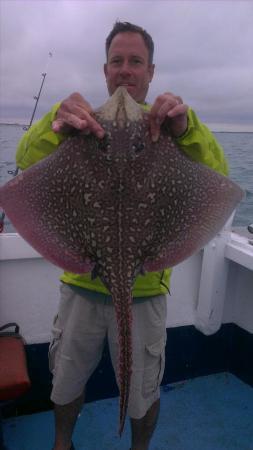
x=126 y=84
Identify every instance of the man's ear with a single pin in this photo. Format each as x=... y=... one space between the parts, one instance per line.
x=151 y=71
x=105 y=69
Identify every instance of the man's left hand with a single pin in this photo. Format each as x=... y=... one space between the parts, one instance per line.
x=169 y=106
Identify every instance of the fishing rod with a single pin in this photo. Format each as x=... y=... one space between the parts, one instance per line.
x=26 y=128
x=37 y=97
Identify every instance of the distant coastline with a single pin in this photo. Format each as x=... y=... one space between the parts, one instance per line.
x=19 y=124
x=22 y=124
x=232 y=132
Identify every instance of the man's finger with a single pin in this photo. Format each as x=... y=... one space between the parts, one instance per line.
x=68 y=122
x=178 y=110
x=154 y=129
x=94 y=127
x=57 y=125
x=166 y=107
x=86 y=122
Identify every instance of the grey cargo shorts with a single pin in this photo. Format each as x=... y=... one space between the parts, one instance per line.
x=78 y=337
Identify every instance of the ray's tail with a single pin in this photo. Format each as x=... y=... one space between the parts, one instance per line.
x=123 y=308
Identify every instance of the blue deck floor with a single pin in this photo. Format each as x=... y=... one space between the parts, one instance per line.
x=207 y=413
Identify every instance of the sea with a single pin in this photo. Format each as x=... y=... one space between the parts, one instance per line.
x=238 y=148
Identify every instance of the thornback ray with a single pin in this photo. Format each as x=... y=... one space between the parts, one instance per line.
x=119 y=206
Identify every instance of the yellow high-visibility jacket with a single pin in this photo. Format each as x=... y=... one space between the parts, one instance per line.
x=197 y=142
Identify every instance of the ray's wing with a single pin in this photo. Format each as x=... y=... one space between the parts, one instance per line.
x=48 y=206
x=192 y=205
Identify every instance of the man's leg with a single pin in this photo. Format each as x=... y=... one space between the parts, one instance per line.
x=65 y=420
x=142 y=429
x=76 y=348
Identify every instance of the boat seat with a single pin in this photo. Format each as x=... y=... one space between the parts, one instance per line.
x=14 y=378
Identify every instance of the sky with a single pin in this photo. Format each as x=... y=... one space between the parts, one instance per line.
x=203 y=52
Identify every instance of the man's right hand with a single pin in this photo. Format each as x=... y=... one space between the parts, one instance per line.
x=75 y=113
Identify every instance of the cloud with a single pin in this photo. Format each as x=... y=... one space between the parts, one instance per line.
x=203 y=52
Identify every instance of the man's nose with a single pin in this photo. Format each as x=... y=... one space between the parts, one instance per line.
x=125 y=68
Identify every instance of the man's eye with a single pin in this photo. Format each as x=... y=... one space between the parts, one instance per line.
x=136 y=61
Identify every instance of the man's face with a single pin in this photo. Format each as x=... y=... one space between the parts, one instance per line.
x=128 y=65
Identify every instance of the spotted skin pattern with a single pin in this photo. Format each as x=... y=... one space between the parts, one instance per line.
x=118 y=207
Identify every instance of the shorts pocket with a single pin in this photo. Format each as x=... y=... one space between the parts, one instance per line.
x=154 y=366
x=54 y=345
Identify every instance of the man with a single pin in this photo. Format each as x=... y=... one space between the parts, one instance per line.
x=86 y=314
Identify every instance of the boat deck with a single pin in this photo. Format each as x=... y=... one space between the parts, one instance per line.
x=208 y=413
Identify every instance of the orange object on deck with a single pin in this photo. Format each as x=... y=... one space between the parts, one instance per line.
x=14 y=378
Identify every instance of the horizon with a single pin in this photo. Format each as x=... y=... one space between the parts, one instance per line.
x=214 y=127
